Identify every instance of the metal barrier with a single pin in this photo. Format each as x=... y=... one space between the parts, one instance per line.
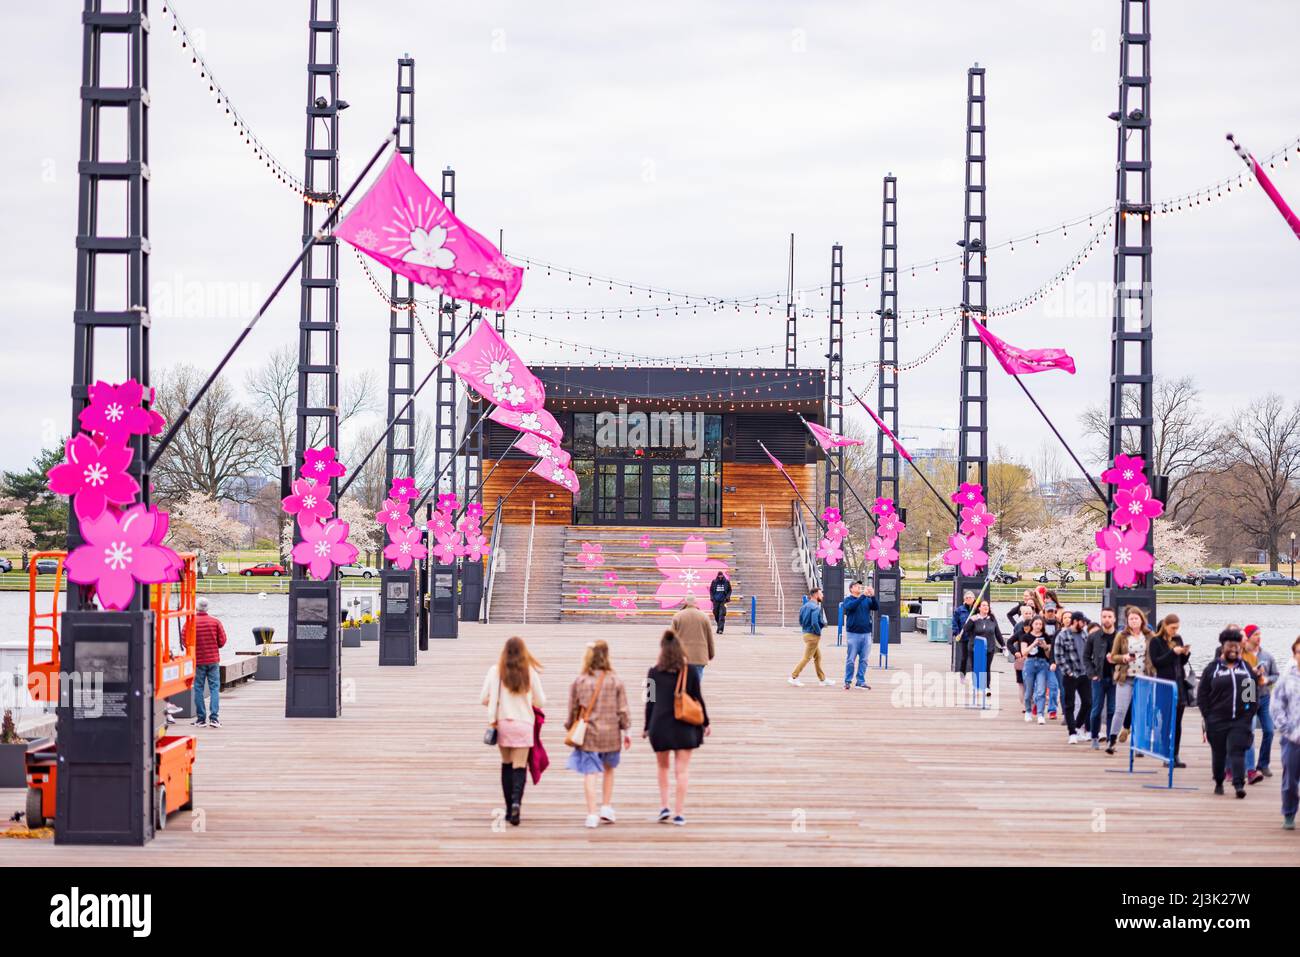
x=528 y=560
x=774 y=568
x=1154 y=723
x=490 y=578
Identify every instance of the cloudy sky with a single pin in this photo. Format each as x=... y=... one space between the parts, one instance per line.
x=678 y=145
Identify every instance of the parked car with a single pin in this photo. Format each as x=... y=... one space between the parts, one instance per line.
x=358 y=571
x=6 y=565
x=1195 y=576
x=1236 y=573
x=274 y=569
x=1220 y=576
x=47 y=566
x=1002 y=578
x=1006 y=578
x=1174 y=578
x=1272 y=578
x=1063 y=578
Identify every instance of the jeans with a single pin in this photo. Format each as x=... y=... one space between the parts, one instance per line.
x=1228 y=741
x=720 y=615
x=859 y=651
x=1290 y=778
x=1078 y=685
x=1053 y=690
x=1103 y=696
x=699 y=673
x=1123 y=699
x=212 y=675
x=1263 y=721
x=1036 y=683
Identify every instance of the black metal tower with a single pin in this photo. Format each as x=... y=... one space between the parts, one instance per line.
x=887 y=461
x=973 y=431
x=314 y=685
x=1131 y=368
x=833 y=575
x=399 y=622
x=443 y=596
x=791 y=315
x=106 y=775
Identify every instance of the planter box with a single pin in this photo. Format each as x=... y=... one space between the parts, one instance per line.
x=271 y=667
x=13 y=765
x=370 y=632
x=351 y=637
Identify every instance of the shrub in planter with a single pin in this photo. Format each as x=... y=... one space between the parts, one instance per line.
x=13 y=754
x=351 y=631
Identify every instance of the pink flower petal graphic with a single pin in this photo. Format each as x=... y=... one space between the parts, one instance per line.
x=623 y=602
x=119 y=553
x=1126 y=472
x=1136 y=507
x=969 y=493
x=687 y=572
x=977 y=520
x=966 y=552
x=403 y=490
x=321 y=464
x=394 y=514
x=882 y=552
x=116 y=411
x=309 y=501
x=405 y=546
x=94 y=475
x=883 y=506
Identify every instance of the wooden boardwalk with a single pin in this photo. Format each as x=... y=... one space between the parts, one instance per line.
x=808 y=775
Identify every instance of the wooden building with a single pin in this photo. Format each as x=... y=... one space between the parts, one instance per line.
x=667 y=446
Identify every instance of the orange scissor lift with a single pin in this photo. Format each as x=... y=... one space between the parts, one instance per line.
x=173 y=673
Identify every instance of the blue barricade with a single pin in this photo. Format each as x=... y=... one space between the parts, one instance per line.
x=1155 y=717
x=882 y=643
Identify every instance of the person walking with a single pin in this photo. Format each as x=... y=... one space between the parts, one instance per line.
x=1167 y=659
x=982 y=624
x=1227 y=698
x=671 y=738
x=209 y=639
x=720 y=594
x=1069 y=652
x=1101 y=674
x=1266 y=675
x=598 y=698
x=857 y=609
x=811 y=620
x=959 y=616
x=512 y=688
x=694 y=629
x=1015 y=644
x=1051 y=625
x=1128 y=655
x=1285 y=707
x=1037 y=649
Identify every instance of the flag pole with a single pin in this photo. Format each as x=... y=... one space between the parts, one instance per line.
x=919 y=474
x=1095 y=487
x=847 y=484
x=795 y=489
x=495 y=465
x=356 y=470
x=175 y=427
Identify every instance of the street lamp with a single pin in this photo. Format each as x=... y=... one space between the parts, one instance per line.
x=927 y=552
x=1293 y=555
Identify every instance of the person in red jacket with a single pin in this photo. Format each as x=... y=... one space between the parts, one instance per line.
x=209 y=639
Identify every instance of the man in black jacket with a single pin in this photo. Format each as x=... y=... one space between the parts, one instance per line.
x=1101 y=673
x=720 y=594
x=1228 y=700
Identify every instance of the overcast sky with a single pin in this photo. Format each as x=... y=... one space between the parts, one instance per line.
x=678 y=144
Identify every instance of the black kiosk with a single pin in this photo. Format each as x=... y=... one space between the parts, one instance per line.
x=444 y=582
x=399 y=616
x=315 y=683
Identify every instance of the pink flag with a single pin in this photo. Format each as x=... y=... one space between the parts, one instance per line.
x=1019 y=361
x=1267 y=186
x=883 y=428
x=558 y=474
x=543 y=449
x=539 y=422
x=493 y=370
x=402 y=224
x=827 y=439
x=775 y=461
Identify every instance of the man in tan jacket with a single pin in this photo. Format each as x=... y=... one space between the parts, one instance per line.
x=694 y=629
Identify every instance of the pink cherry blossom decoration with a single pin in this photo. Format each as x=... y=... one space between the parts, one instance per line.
x=976 y=520
x=321 y=465
x=624 y=602
x=583 y=595
x=686 y=572
x=94 y=476
x=970 y=493
x=120 y=553
x=882 y=552
x=611 y=577
x=836 y=530
x=476 y=546
x=966 y=553
x=883 y=506
x=403 y=490
x=323 y=545
x=116 y=411
x=1126 y=558
x=393 y=515
x=890 y=527
x=404 y=547
x=1127 y=472
x=448 y=548
x=829 y=551
x=830 y=514
x=591 y=554
x=474 y=510
x=645 y=541
x=1135 y=507
x=440 y=524
x=448 y=502
x=309 y=501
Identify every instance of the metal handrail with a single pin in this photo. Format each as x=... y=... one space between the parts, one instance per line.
x=491 y=575
x=811 y=573
x=773 y=563
x=528 y=561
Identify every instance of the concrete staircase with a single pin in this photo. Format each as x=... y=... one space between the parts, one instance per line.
x=543 y=580
x=752 y=566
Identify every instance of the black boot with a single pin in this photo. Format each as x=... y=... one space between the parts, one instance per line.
x=505 y=787
x=518 y=778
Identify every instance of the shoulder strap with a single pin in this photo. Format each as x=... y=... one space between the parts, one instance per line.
x=586 y=712
x=681 y=679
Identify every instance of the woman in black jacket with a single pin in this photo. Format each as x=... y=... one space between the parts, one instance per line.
x=1167 y=659
x=984 y=625
x=670 y=737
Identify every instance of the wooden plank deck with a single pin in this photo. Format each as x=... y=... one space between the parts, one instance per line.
x=808 y=775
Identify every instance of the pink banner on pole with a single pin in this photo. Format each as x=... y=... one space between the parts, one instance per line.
x=829 y=440
x=543 y=449
x=885 y=429
x=557 y=474
x=403 y=225
x=1267 y=186
x=1019 y=361
x=495 y=371
x=775 y=461
x=539 y=422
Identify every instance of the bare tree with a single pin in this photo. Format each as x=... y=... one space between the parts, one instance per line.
x=1263 y=449
x=221 y=442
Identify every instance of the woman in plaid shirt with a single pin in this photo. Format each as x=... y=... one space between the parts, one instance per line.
x=599 y=694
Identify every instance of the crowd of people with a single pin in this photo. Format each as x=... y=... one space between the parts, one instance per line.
x=1086 y=671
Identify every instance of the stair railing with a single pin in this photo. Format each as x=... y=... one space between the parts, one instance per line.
x=493 y=551
x=807 y=559
x=528 y=562
x=773 y=563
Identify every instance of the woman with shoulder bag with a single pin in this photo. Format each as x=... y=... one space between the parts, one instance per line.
x=598 y=718
x=511 y=690
x=676 y=721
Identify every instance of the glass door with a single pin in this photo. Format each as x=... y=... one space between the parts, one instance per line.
x=618 y=493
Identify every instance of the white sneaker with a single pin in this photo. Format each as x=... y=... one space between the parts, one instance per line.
x=1073 y=739
x=827 y=682
x=795 y=681
x=1028 y=717
x=607 y=814
x=1042 y=720
x=593 y=820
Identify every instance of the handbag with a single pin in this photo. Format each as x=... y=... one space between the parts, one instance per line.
x=578 y=733
x=490 y=735
x=685 y=708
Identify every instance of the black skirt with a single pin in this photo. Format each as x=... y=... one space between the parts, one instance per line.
x=666 y=732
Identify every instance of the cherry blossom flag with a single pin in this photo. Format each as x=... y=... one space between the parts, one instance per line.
x=1267 y=186
x=558 y=474
x=539 y=422
x=403 y=225
x=826 y=438
x=884 y=428
x=1019 y=361
x=543 y=449
x=495 y=371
